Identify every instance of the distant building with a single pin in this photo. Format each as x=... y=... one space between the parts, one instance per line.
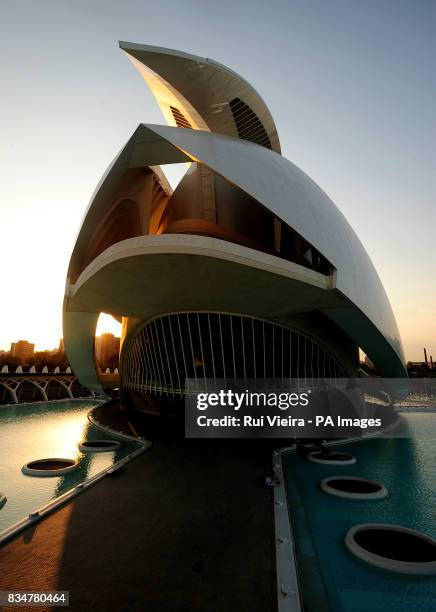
x=22 y=349
x=107 y=346
x=418 y=364
x=421 y=369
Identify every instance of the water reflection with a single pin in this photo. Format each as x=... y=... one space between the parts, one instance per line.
x=51 y=429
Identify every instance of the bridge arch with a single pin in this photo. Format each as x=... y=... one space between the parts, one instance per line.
x=28 y=389
x=15 y=389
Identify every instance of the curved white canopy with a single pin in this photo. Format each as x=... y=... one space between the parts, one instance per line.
x=361 y=307
x=201 y=90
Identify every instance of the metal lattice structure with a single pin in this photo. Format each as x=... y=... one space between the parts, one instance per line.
x=168 y=350
x=25 y=388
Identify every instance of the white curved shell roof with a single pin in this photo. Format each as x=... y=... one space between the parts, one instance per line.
x=353 y=298
x=296 y=199
x=200 y=88
x=365 y=313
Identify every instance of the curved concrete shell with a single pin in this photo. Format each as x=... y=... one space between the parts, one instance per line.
x=143 y=251
x=200 y=93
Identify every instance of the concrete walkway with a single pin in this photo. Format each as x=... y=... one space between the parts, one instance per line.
x=187 y=526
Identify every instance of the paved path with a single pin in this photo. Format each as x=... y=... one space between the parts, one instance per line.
x=187 y=527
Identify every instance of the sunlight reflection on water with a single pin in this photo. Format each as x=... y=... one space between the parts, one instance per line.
x=46 y=429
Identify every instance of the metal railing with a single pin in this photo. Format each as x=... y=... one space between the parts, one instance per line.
x=205 y=345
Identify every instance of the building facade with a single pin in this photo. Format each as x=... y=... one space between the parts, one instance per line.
x=107 y=347
x=246 y=270
x=22 y=349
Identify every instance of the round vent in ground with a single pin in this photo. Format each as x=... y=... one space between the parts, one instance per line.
x=331 y=458
x=351 y=487
x=393 y=547
x=99 y=446
x=49 y=467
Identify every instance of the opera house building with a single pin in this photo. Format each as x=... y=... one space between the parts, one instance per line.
x=246 y=270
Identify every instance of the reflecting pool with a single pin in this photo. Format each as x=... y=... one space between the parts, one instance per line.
x=46 y=429
x=330 y=577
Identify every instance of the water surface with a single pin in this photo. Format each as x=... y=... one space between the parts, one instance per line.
x=46 y=429
x=331 y=578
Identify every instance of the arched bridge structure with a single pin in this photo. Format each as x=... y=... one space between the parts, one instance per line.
x=19 y=388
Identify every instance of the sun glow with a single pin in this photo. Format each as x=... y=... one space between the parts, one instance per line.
x=69 y=433
x=107 y=324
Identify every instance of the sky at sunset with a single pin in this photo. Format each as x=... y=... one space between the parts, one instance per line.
x=350 y=85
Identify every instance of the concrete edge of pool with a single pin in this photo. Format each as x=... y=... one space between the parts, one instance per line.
x=54 y=504
x=288 y=588
x=96 y=399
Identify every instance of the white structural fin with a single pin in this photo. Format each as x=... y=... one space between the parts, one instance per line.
x=199 y=93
